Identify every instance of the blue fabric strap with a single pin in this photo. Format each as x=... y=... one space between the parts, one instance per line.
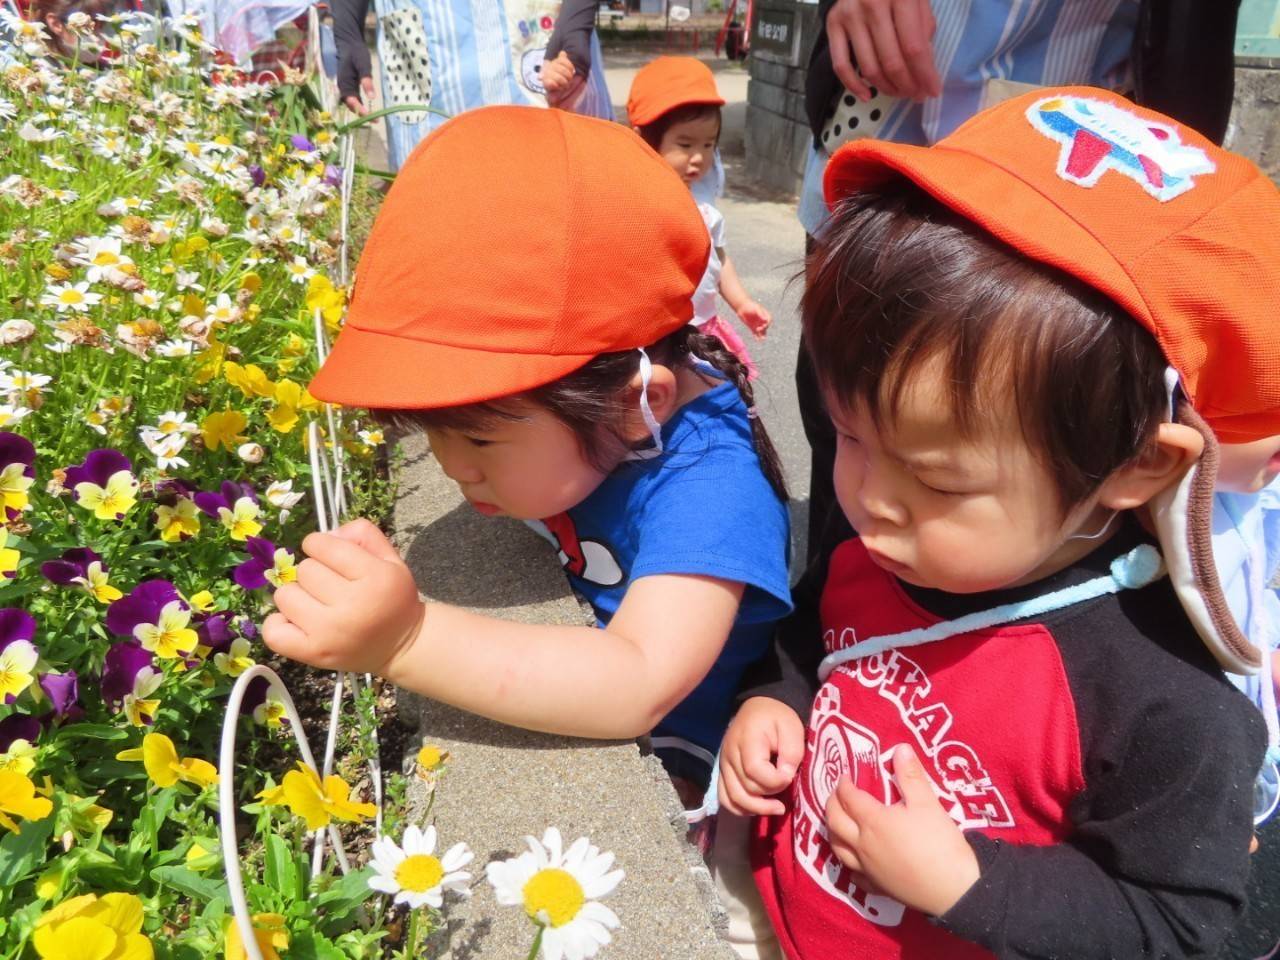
x=1139 y=567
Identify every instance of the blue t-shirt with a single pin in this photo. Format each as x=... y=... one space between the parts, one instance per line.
x=703 y=507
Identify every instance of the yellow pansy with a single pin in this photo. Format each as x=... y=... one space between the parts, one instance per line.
x=95 y=580
x=251 y=282
x=209 y=361
x=19 y=758
x=224 y=429
x=170 y=636
x=317 y=803
x=18 y=799
x=9 y=560
x=242 y=519
x=202 y=601
x=50 y=882
x=93 y=928
x=322 y=295
x=165 y=768
x=110 y=502
x=14 y=487
x=17 y=661
x=268 y=930
x=179 y=522
x=236 y=660
x=251 y=380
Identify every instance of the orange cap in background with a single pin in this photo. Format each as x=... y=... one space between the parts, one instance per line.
x=1182 y=234
x=663 y=84
x=515 y=245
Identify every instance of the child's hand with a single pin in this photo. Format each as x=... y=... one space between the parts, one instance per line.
x=561 y=80
x=354 y=605
x=756 y=317
x=761 y=752
x=913 y=850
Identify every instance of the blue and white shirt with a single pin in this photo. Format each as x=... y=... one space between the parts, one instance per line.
x=1041 y=42
x=460 y=54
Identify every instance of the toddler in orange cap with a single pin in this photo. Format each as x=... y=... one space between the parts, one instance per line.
x=675 y=107
x=575 y=398
x=1012 y=734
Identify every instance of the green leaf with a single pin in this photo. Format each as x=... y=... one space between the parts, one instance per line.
x=190 y=883
x=91 y=731
x=343 y=898
x=309 y=945
x=280 y=872
x=21 y=853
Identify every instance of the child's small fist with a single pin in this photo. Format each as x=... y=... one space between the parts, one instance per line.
x=354 y=605
x=756 y=318
x=761 y=752
x=911 y=850
x=561 y=81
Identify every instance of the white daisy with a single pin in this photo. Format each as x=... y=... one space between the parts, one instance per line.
x=57 y=163
x=148 y=299
x=11 y=413
x=188 y=280
x=64 y=196
x=20 y=381
x=558 y=890
x=33 y=134
x=414 y=874
x=70 y=296
x=174 y=348
x=103 y=257
x=299 y=270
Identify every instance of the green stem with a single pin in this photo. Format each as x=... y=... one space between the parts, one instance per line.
x=537 y=944
x=411 y=941
x=370 y=172
x=398 y=108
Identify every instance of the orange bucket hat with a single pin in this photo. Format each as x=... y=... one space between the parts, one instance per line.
x=482 y=276
x=663 y=84
x=1182 y=234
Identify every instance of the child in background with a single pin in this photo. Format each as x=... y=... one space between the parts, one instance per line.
x=1022 y=743
x=675 y=107
x=552 y=390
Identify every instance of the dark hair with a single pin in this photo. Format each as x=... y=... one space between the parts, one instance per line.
x=899 y=280
x=590 y=401
x=652 y=133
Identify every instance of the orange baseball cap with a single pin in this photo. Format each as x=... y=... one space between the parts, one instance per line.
x=1182 y=234
x=663 y=84
x=515 y=245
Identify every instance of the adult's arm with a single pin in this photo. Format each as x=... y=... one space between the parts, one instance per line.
x=572 y=34
x=354 y=64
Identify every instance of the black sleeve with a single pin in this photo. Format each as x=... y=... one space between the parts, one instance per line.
x=572 y=34
x=789 y=671
x=820 y=83
x=1157 y=863
x=353 y=53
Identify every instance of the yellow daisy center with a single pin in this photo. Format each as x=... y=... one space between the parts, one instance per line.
x=553 y=892
x=105 y=258
x=71 y=296
x=419 y=873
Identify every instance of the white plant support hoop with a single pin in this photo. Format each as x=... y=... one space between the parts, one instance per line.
x=330 y=493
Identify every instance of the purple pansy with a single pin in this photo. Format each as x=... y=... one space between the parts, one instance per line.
x=15 y=624
x=18 y=726
x=141 y=605
x=72 y=564
x=62 y=689
x=231 y=491
x=254 y=695
x=124 y=661
x=262 y=557
x=258 y=175
x=247 y=628
x=98 y=467
x=15 y=448
x=302 y=143
x=214 y=632
x=332 y=175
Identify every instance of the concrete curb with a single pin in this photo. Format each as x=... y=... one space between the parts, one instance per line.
x=503 y=784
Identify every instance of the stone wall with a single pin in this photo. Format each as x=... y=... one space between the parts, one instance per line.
x=777 y=132
x=1255 y=119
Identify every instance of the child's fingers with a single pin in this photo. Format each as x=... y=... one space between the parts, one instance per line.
x=764 y=774
x=344 y=557
x=790 y=745
x=913 y=782
x=738 y=799
x=300 y=607
x=282 y=636
x=368 y=536
x=322 y=581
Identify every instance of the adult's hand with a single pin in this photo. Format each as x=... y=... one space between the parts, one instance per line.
x=891 y=41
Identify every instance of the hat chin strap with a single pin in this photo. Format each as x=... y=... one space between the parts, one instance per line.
x=1183 y=514
x=646 y=411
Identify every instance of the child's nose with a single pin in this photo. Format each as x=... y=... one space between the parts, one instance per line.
x=877 y=497
x=455 y=463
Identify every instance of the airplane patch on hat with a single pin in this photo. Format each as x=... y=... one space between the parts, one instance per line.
x=1097 y=136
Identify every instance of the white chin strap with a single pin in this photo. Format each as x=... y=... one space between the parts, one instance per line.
x=646 y=411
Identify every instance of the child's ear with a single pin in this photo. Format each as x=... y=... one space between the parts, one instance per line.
x=663 y=401
x=1176 y=448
